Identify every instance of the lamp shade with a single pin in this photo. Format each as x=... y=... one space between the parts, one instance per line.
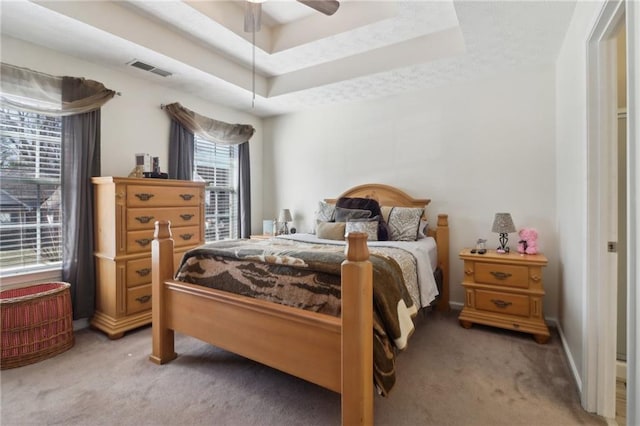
x=503 y=224
x=285 y=216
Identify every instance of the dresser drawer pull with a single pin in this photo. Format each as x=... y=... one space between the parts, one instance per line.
x=500 y=275
x=186 y=237
x=186 y=197
x=186 y=216
x=144 y=219
x=144 y=241
x=500 y=303
x=144 y=299
x=144 y=196
x=143 y=272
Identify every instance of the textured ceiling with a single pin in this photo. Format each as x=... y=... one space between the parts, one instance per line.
x=367 y=50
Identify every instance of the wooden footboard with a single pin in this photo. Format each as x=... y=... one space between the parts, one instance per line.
x=336 y=353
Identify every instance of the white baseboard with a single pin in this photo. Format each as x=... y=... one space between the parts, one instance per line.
x=572 y=363
x=456 y=306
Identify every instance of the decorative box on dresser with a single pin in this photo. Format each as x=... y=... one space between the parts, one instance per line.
x=126 y=210
x=504 y=290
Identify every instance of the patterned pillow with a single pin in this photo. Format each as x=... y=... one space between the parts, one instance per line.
x=404 y=223
x=330 y=230
x=368 y=227
x=325 y=212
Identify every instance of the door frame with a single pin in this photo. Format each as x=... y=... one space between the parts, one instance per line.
x=599 y=318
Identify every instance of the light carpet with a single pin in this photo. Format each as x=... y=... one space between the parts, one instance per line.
x=448 y=376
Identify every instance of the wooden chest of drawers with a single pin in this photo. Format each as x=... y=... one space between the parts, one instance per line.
x=126 y=210
x=504 y=290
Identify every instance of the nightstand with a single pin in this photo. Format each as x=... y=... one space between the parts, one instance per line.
x=504 y=290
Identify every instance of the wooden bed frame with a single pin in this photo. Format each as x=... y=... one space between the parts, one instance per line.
x=337 y=354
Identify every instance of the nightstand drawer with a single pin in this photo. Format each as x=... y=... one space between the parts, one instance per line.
x=500 y=274
x=511 y=304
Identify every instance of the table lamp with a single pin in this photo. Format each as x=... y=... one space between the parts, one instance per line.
x=284 y=218
x=503 y=225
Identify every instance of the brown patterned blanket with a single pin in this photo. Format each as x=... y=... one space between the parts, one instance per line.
x=307 y=276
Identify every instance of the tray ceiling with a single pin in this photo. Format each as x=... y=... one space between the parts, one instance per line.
x=367 y=50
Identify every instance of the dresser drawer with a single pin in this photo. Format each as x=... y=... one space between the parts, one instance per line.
x=140 y=241
x=504 y=303
x=145 y=218
x=138 y=299
x=167 y=196
x=138 y=272
x=504 y=275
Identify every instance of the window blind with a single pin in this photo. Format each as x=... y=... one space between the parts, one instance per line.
x=30 y=191
x=217 y=165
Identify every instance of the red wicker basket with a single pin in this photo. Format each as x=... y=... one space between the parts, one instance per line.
x=36 y=323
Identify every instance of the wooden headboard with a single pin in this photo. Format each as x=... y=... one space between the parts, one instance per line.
x=387 y=195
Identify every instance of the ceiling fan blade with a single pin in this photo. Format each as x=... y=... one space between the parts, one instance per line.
x=328 y=7
x=252 y=17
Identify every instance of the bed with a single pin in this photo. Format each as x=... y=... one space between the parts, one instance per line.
x=335 y=352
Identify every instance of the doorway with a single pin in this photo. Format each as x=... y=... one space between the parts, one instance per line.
x=603 y=219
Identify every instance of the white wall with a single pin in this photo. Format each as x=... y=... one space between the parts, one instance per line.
x=474 y=148
x=571 y=152
x=134 y=122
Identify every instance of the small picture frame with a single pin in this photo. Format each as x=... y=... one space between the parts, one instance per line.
x=267 y=227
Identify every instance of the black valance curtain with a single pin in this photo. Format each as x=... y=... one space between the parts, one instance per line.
x=184 y=125
x=78 y=102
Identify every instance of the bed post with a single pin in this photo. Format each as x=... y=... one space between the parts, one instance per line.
x=357 y=332
x=162 y=270
x=442 y=239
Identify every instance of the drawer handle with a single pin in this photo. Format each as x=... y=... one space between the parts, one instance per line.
x=186 y=197
x=186 y=216
x=144 y=241
x=144 y=219
x=500 y=303
x=186 y=237
x=144 y=196
x=144 y=299
x=501 y=275
x=143 y=272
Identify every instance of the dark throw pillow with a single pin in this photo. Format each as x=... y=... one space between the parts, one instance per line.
x=366 y=204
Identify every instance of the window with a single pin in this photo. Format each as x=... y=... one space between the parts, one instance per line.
x=217 y=165
x=30 y=195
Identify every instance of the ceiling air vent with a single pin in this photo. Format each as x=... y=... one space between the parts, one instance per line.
x=146 y=67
